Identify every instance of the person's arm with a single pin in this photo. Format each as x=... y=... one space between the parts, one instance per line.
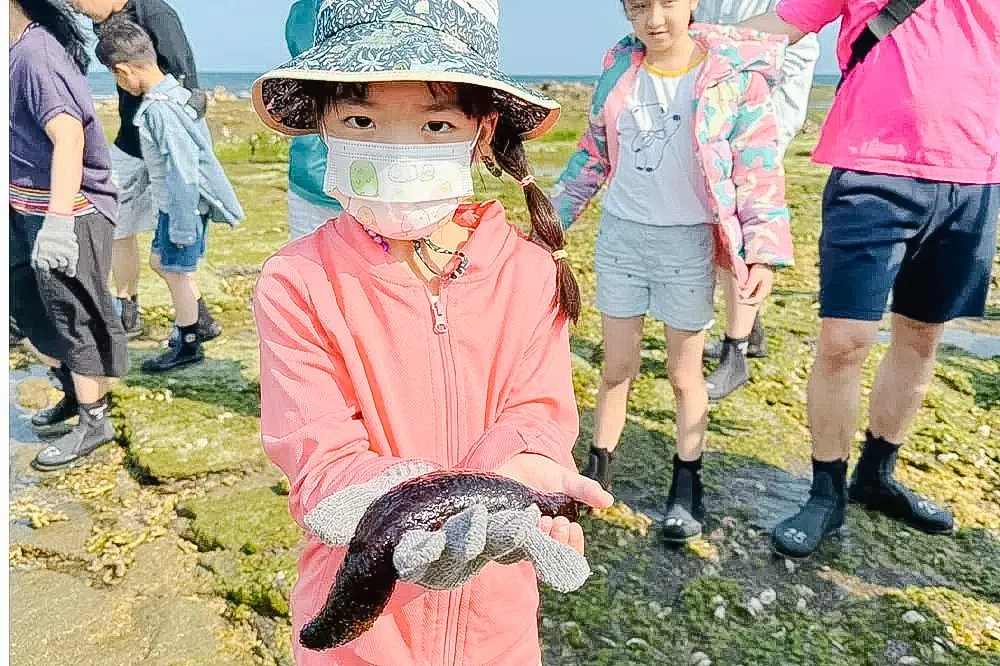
x=178 y=155
x=797 y=18
x=759 y=179
x=310 y=420
x=171 y=44
x=774 y=24
x=66 y=134
x=585 y=173
x=791 y=98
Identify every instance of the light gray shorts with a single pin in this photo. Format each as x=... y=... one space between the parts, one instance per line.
x=135 y=198
x=666 y=272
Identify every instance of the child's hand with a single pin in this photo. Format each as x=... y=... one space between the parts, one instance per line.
x=758 y=286
x=562 y=530
x=544 y=474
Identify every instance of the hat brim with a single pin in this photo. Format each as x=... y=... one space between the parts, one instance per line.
x=393 y=51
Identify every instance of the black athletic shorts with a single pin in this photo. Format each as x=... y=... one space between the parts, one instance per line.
x=71 y=319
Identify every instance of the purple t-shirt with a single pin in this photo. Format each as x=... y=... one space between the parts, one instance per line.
x=45 y=82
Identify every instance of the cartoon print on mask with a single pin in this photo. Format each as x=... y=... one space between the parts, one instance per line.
x=653 y=131
x=427 y=173
x=403 y=173
x=364 y=179
x=366 y=217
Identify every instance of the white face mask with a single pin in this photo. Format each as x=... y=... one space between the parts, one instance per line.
x=401 y=191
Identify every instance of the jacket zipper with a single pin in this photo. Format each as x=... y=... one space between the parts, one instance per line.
x=441 y=329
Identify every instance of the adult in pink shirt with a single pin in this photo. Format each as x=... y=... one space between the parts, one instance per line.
x=911 y=207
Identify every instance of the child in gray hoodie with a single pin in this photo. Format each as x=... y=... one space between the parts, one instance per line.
x=189 y=186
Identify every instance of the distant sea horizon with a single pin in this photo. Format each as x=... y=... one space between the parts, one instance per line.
x=102 y=84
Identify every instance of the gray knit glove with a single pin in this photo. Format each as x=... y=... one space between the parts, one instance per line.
x=447 y=558
x=56 y=247
x=336 y=518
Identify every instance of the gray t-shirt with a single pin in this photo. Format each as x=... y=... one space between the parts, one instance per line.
x=45 y=82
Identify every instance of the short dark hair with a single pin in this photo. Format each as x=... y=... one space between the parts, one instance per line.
x=119 y=40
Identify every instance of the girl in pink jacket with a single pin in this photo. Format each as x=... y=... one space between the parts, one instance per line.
x=417 y=330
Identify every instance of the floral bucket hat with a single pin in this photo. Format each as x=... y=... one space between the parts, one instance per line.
x=369 y=41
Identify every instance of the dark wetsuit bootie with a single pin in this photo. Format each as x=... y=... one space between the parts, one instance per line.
x=685 y=510
x=823 y=514
x=874 y=487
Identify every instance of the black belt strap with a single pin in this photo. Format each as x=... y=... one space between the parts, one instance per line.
x=877 y=29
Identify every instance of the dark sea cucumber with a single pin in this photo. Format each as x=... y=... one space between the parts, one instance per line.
x=367 y=575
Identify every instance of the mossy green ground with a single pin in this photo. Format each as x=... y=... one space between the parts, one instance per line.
x=197 y=472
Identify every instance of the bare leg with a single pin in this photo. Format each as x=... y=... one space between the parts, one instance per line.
x=739 y=316
x=47 y=360
x=684 y=352
x=622 y=347
x=90 y=389
x=903 y=377
x=184 y=292
x=835 y=386
x=125 y=266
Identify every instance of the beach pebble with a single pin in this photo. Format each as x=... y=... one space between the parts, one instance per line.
x=755 y=607
x=804 y=591
x=636 y=643
x=790 y=566
x=700 y=659
x=801 y=605
x=768 y=596
x=717 y=600
x=984 y=431
x=910 y=660
x=720 y=613
x=913 y=617
x=781 y=633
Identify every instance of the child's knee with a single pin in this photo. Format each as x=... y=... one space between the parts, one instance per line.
x=620 y=370
x=687 y=382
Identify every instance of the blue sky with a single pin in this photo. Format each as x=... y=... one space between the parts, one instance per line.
x=537 y=36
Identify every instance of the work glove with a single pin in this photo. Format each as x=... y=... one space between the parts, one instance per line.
x=198 y=103
x=335 y=518
x=448 y=557
x=56 y=247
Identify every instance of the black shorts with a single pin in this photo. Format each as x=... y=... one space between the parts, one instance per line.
x=71 y=319
x=931 y=244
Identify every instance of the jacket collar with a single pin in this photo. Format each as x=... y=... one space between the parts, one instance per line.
x=731 y=50
x=489 y=243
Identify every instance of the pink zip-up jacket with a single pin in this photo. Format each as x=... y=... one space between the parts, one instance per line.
x=360 y=371
x=736 y=138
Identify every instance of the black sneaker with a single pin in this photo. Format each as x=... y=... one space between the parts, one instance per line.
x=756 y=343
x=685 y=510
x=93 y=431
x=599 y=466
x=66 y=408
x=732 y=372
x=187 y=352
x=128 y=309
x=874 y=487
x=799 y=536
